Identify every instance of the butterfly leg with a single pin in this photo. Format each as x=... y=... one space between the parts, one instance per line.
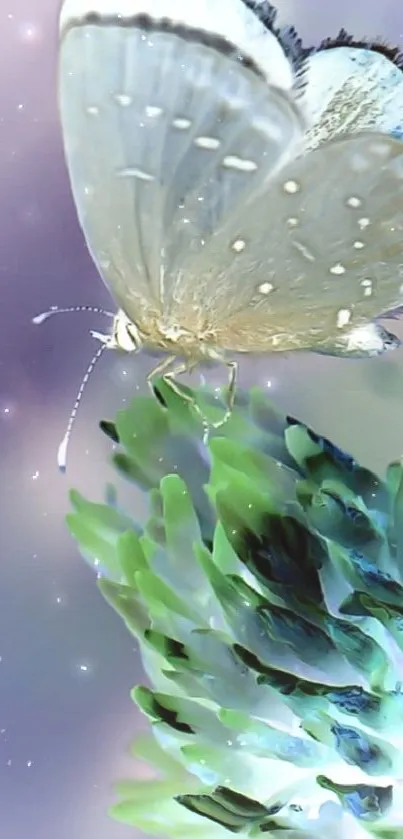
x=159 y=370
x=170 y=380
x=170 y=376
x=232 y=368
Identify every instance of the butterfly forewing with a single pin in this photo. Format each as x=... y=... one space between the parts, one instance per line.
x=246 y=142
x=316 y=253
x=164 y=135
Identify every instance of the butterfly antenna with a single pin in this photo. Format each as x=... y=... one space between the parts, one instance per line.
x=55 y=310
x=62 y=450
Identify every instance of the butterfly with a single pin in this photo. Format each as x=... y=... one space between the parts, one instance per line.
x=237 y=192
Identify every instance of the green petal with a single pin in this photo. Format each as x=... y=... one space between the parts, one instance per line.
x=97 y=528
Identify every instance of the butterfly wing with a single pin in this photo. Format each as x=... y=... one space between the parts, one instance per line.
x=313 y=256
x=348 y=90
x=152 y=113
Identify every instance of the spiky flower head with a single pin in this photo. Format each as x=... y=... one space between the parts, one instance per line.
x=265 y=592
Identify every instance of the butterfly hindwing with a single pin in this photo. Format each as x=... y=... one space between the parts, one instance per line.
x=319 y=250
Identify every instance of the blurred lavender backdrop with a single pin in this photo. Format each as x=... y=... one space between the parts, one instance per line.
x=66 y=663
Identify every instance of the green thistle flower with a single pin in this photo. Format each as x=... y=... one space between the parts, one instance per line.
x=265 y=592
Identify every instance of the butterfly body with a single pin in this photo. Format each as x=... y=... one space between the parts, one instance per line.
x=159 y=333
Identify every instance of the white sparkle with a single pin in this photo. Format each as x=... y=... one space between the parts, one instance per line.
x=364 y=222
x=29 y=33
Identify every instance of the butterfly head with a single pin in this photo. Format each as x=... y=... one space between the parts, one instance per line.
x=125 y=334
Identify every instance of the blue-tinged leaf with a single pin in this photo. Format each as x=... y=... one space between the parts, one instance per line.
x=365 y=802
x=354 y=745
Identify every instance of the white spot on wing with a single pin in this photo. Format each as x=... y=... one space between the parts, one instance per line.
x=210 y=143
x=132 y=172
x=231 y=161
x=304 y=251
x=153 y=111
x=367 y=286
x=181 y=123
x=123 y=99
x=337 y=270
x=291 y=187
x=266 y=288
x=239 y=245
x=354 y=202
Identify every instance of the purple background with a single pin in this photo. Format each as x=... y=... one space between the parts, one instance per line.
x=66 y=662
